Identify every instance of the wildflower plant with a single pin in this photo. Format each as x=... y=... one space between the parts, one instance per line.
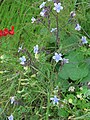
x=49 y=47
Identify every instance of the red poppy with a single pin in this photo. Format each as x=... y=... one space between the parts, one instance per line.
x=1 y=33
x=11 y=32
x=5 y=32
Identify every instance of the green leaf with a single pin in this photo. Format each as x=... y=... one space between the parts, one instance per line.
x=69 y=40
x=73 y=72
x=63 y=113
x=76 y=69
x=75 y=57
x=86 y=79
x=63 y=83
x=78 y=73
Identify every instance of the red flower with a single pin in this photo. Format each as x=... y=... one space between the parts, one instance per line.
x=1 y=33
x=11 y=32
x=5 y=32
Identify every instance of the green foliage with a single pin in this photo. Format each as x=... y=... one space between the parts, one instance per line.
x=63 y=113
x=76 y=69
x=34 y=84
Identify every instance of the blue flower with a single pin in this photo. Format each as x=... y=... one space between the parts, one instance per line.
x=36 y=49
x=42 y=13
x=12 y=99
x=19 y=49
x=55 y=100
x=57 y=7
x=84 y=41
x=78 y=27
x=72 y=13
x=10 y=117
x=23 y=60
x=57 y=57
x=42 y=5
x=33 y=20
x=53 y=29
x=65 y=60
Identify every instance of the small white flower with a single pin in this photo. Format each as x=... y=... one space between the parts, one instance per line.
x=55 y=100
x=84 y=41
x=81 y=88
x=33 y=20
x=53 y=29
x=12 y=99
x=19 y=49
x=78 y=27
x=65 y=60
x=36 y=49
x=42 y=13
x=72 y=13
x=10 y=117
x=79 y=96
x=57 y=57
x=49 y=0
x=71 y=88
x=57 y=7
x=42 y=5
x=22 y=59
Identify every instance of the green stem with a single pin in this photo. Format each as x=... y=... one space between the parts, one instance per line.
x=48 y=105
x=57 y=33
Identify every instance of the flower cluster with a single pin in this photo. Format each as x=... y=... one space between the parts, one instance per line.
x=6 y=32
x=57 y=57
x=42 y=13
x=12 y=100
x=71 y=88
x=78 y=28
x=45 y=10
